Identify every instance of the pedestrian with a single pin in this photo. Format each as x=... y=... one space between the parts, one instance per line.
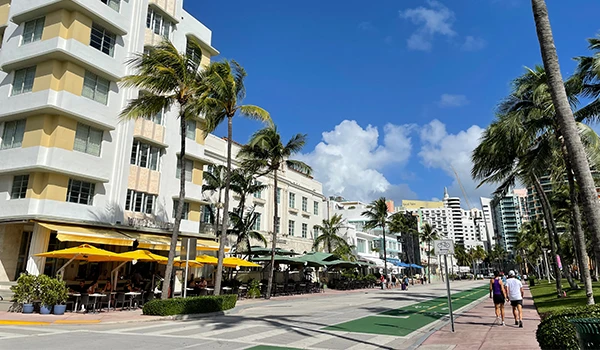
x=498 y=293
x=382 y=279
x=514 y=289
x=406 y=281
x=394 y=281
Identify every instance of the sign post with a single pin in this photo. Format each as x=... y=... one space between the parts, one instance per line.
x=188 y=242
x=445 y=247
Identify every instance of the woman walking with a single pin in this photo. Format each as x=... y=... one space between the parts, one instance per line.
x=498 y=293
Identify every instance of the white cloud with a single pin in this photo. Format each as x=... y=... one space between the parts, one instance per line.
x=450 y=100
x=432 y=20
x=473 y=43
x=452 y=152
x=349 y=160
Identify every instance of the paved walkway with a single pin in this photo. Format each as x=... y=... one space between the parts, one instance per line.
x=477 y=329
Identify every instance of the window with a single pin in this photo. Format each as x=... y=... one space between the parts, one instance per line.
x=206 y=209
x=256 y=226
x=292 y=202
x=113 y=4
x=186 y=210
x=278 y=195
x=80 y=192
x=23 y=80
x=316 y=208
x=194 y=53
x=95 y=88
x=159 y=24
x=102 y=40
x=304 y=204
x=157 y=118
x=316 y=233
x=189 y=167
x=277 y=225
x=190 y=129
x=304 y=230
x=361 y=246
x=140 y=202
x=32 y=30
x=145 y=155
x=19 y=187
x=291 y=224
x=12 y=137
x=88 y=140
x=258 y=194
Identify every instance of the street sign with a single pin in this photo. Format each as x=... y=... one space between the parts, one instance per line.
x=443 y=247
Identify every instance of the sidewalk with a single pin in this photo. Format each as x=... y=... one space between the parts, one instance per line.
x=476 y=329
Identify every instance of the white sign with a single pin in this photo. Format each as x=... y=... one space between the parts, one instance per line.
x=444 y=247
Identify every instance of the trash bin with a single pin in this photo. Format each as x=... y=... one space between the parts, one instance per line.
x=588 y=332
x=531 y=282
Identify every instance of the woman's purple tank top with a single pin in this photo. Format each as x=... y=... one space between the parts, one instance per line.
x=496 y=286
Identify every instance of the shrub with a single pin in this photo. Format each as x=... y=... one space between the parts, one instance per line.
x=556 y=332
x=26 y=290
x=191 y=305
x=253 y=289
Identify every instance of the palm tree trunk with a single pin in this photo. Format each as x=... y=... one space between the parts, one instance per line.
x=217 y=227
x=178 y=211
x=429 y=261
x=274 y=243
x=224 y=224
x=579 y=237
x=385 y=271
x=551 y=227
x=568 y=127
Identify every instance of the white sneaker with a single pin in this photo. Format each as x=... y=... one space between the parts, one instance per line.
x=503 y=323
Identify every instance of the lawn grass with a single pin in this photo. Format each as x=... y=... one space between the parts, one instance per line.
x=545 y=299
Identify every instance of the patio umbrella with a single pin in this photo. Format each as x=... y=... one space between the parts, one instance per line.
x=181 y=263
x=143 y=255
x=207 y=259
x=234 y=262
x=82 y=252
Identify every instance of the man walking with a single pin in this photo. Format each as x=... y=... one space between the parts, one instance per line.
x=514 y=289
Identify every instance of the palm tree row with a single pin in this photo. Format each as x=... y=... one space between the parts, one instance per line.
x=539 y=132
x=211 y=95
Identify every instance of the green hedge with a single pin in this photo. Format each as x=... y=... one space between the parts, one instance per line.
x=191 y=305
x=556 y=332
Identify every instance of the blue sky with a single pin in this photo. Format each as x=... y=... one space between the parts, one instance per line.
x=392 y=94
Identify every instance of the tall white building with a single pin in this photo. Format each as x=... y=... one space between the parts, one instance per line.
x=486 y=207
x=301 y=204
x=70 y=170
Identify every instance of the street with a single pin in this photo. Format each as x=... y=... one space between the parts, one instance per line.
x=368 y=319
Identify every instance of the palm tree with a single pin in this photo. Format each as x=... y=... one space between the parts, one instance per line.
x=405 y=224
x=167 y=78
x=329 y=234
x=214 y=181
x=564 y=115
x=265 y=153
x=243 y=183
x=242 y=228
x=478 y=255
x=377 y=216
x=221 y=101
x=428 y=234
x=345 y=252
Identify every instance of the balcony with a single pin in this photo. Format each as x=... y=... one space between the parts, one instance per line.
x=149 y=131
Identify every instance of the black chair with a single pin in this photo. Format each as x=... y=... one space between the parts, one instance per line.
x=120 y=299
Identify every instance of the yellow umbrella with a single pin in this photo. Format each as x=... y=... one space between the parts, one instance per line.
x=181 y=263
x=143 y=255
x=207 y=259
x=84 y=252
x=234 y=262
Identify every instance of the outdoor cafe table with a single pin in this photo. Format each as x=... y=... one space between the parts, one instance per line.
x=96 y=296
x=131 y=296
x=227 y=290
x=77 y=296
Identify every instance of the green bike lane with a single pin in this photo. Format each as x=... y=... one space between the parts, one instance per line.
x=402 y=321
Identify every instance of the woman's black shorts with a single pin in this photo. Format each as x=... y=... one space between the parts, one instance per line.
x=499 y=299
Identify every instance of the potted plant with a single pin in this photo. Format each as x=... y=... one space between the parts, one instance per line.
x=25 y=291
x=46 y=294
x=61 y=294
x=253 y=289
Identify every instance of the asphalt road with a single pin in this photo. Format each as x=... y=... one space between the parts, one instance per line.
x=372 y=319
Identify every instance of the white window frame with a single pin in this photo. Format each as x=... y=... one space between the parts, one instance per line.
x=35 y=33
x=186 y=209
x=24 y=84
x=81 y=196
x=113 y=4
x=304 y=230
x=291 y=227
x=316 y=208
x=190 y=129
x=12 y=134
x=141 y=151
x=18 y=189
x=159 y=25
x=256 y=226
x=189 y=170
x=292 y=200
x=278 y=194
x=304 y=204
x=192 y=53
x=147 y=202
x=95 y=85
x=258 y=194
x=90 y=140
x=158 y=118
x=103 y=40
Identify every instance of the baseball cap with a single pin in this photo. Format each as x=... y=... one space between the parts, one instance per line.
x=511 y=273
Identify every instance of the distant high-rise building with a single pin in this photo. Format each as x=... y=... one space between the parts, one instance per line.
x=488 y=233
x=507 y=219
x=456 y=231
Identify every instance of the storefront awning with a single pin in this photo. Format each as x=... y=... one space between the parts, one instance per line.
x=70 y=233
